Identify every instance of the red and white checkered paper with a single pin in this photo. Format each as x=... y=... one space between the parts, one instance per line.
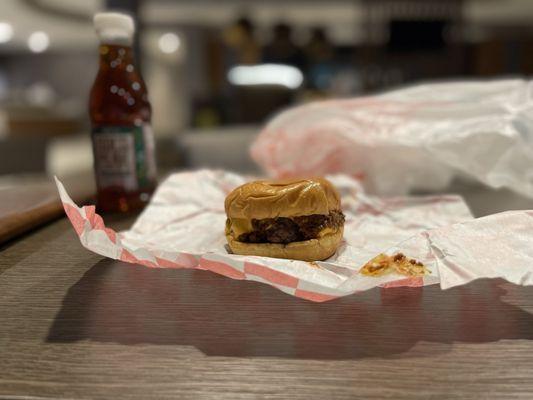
x=183 y=227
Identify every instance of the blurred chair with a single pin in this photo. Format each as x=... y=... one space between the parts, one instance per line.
x=258 y=103
x=226 y=148
x=26 y=134
x=22 y=155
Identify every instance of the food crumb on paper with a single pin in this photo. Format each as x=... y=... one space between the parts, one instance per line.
x=383 y=264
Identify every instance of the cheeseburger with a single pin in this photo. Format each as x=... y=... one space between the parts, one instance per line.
x=300 y=220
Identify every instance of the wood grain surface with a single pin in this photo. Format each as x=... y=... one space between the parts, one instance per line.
x=30 y=201
x=74 y=325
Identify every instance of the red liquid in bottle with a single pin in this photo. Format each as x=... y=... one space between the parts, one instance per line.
x=122 y=137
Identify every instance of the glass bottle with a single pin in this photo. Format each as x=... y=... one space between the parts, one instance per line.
x=120 y=113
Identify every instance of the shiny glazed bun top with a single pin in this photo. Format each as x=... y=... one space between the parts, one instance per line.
x=289 y=198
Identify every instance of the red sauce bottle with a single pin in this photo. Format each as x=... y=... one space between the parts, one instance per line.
x=123 y=142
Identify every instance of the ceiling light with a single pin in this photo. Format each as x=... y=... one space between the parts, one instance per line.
x=169 y=43
x=6 y=32
x=38 y=42
x=266 y=74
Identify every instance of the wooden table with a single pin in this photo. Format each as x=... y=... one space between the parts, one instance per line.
x=74 y=325
x=28 y=201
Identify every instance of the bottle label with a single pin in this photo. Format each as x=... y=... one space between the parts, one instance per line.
x=124 y=157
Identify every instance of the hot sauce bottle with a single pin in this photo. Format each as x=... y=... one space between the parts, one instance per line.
x=123 y=142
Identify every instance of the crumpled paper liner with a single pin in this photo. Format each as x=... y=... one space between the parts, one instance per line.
x=416 y=137
x=183 y=227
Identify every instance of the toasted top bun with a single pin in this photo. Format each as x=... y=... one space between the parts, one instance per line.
x=269 y=199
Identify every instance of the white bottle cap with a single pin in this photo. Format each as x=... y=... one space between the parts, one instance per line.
x=114 y=28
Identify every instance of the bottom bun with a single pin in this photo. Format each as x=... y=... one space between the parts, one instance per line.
x=308 y=250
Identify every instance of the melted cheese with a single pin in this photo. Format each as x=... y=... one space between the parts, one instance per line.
x=326 y=231
x=240 y=226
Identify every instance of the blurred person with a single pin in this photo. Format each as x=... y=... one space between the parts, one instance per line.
x=242 y=47
x=282 y=49
x=319 y=49
x=319 y=52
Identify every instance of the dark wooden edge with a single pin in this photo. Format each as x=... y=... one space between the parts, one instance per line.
x=20 y=223
x=81 y=189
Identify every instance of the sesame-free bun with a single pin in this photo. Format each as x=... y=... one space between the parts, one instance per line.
x=307 y=250
x=268 y=199
x=288 y=199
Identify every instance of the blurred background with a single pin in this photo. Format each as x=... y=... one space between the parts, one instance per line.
x=208 y=66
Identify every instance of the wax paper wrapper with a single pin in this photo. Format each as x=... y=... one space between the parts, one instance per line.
x=183 y=227
x=418 y=137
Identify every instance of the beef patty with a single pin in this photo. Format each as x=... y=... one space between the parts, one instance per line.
x=287 y=230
